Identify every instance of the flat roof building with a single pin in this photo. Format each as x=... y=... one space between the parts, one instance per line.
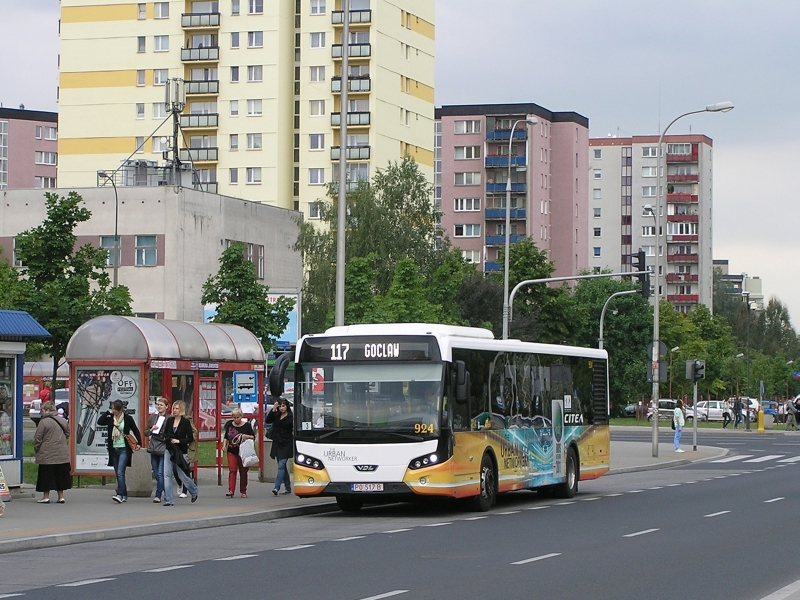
x=28 y=148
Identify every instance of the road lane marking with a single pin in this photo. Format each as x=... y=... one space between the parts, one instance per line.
x=353 y=537
x=241 y=556
x=536 y=558
x=10 y=595
x=765 y=458
x=720 y=477
x=478 y=518
x=673 y=484
x=396 y=530
x=537 y=507
x=590 y=499
x=508 y=512
x=635 y=491
x=165 y=569
x=774 y=500
x=689 y=482
x=298 y=547
x=565 y=503
x=728 y=459
x=658 y=487
x=86 y=582
x=716 y=514
x=630 y=535
x=793 y=459
x=439 y=524
x=612 y=495
x=785 y=592
x=386 y=595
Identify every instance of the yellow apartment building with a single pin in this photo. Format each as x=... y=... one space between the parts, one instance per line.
x=263 y=84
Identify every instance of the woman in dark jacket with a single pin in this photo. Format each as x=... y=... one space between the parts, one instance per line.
x=280 y=417
x=178 y=435
x=120 y=455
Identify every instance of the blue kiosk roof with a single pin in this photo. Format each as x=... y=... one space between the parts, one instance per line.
x=18 y=325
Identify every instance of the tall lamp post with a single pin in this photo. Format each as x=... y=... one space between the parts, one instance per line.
x=661 y=157
x=115 y=258
x=530 y=120
x=671 y=353
x=747 y=391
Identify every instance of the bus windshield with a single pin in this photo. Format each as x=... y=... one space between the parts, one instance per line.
x=401 y=398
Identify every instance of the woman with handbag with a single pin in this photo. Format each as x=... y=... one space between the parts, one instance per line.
x=280 y=417
x=123 y=438
x=157 y=444
x=52 y=454
x=235 y=432
x=178 y=435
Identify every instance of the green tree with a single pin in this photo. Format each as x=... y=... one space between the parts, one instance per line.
x=405 y=302
x=726 y=300
x=10 y=288
x=242 y=300
x=63 y=287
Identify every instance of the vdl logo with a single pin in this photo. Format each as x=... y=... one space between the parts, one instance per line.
x=366 y=468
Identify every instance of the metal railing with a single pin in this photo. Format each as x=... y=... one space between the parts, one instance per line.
x=353 y=50
x=356 y=16
x=352 y=153
x=200 y=19
x=353 y=118
x=207 y=120
x=355 y=84
x=190 y=54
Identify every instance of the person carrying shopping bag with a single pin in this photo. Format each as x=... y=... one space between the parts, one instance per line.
x=236 y=431
x=120 y=453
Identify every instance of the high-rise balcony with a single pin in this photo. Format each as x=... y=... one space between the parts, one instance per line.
x=683 y=218
x=352 y=153
x=209 y=86
x=504 y=134
x=500 y=240
x=683 y=258
x=681 y=277
x=491 y=265
x=353 y=50
x=684 y=298
x=354 y=119
x=194 y=20
x=683 y=238
x=199 y=154
x=204 y=121
x=682 y=178
x=362 y=83
x=500 y=213
x=496 y=188
x=356 y=16
x=502 y=161
x=681 y=198
x=207 y=54
x=676 y=158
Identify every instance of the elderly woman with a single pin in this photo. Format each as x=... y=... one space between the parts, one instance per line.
x=119 y=424
x=236 y=431
x=52 y=454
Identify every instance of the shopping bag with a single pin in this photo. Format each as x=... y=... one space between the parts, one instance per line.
x=247 y=452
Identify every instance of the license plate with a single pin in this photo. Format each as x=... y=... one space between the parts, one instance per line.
x=366 y=487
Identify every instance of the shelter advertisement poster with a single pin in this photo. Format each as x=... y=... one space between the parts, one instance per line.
x=96 y=389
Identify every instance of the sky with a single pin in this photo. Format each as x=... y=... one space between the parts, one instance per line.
x=630 y=66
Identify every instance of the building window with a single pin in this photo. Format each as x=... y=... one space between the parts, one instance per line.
x=160 y=76
x=317 y=7
x=234 y=141
x=649 y=191
x=648 y=231
x=162 y=10
x=681 y=149
x=254 y=175
x=50 y=133
x=317 y=73
x=233 y=175
x=468 y=126
x=254 y=73
x=316 y=108
x=315 y=210
x=38 y=132
x=141 y=44
x=159 y=110
x=597 y=193
x=160 y=144
x=467 y=204
x=254 y=108
x=107 y=243
x=234 y=7
x=649 y=171
x=316 y=176
x=318 y=39
x=234 y=74
x=254 y=141
x=141 y=13
x=140 y=110
x=316 y=141
x=597 y=213
x=467 y=179
x=596 y=251
x=255 y=7
x=145 y=251
x=472 y=257
x=598 y=153
x=161 y=43
x=255 y=39
x=46 y=158
x=598 y=174
x=140 y=77
x=597 y=232
x=649 y=151
x=234 y=108
x=139 y=144
x=44 y=183
x=468 y=230
x=234 y=39
x=467 y=152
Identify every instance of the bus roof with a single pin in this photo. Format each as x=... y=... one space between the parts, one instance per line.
x=411 y=329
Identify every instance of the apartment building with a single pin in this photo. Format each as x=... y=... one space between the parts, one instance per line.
x=263 y=86
x=474 y=157
x=623 y=184
x=749 y=288
x=28 y=148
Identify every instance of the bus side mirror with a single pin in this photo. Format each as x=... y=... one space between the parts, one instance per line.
x=462 y=382
x=277 y=374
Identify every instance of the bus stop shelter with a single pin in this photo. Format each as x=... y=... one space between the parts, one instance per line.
x=211 y=367
x=16 y=327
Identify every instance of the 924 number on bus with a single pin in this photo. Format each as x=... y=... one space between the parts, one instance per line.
x=423 y=428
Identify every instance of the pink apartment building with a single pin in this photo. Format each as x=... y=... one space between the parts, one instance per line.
x=549 y=187
x=28 y=148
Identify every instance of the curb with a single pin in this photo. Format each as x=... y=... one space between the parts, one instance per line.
x=99 y=535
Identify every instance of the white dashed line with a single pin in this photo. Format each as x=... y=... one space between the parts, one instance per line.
x=635 y=491
x=386 y=595
x=590 y=499
x=347 y=539
x=10 y=595
x=793 y=459
x=395 y=531
x=241 y=556
x=765 y=458
x=537 y=507
x=438 y=524
x=612 y=495
x=646 y=531
x=508 y=512
x=658 y=487
x=536 y=558
x=728 y=459
x=565 y=503
x=773 y=500
x=673 y=484
x=479 y=518
x=716 y=514
x=86 y=582
x=165 y=569
x=299 y=547
x=785 y=592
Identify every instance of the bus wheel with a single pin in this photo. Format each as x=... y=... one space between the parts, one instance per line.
x=484 y=501
x=348 y=504
x=569 y=488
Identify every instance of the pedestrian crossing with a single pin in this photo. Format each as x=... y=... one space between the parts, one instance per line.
x=749 y=458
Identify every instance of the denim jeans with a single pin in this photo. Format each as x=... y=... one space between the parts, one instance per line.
x=169 y=479
x=283 y=476
x=157 y=463
x=119 y=460
x=678 y=431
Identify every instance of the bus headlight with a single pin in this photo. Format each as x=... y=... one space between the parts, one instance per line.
x=423 y=461
x=308 y=461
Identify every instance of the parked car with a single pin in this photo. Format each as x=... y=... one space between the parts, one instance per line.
x=770 y=407
x=710 y=410
x=61 y=399
x=666 y=410
x=630 y=410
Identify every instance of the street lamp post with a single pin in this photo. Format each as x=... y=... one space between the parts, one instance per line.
x=115 y=258
x=603 y=312
x=671 y=353
x=530 y=120
x=747 y=389
x=661 y=157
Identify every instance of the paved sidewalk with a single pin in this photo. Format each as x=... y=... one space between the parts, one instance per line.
x=90 y=515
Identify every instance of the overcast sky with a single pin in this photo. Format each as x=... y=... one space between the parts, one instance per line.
x=630 y=66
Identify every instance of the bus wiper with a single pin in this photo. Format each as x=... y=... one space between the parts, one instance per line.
x=408 y=436
x=330 y=433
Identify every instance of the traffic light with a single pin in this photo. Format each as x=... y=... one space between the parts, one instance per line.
x=699 y=370
x=638 y=263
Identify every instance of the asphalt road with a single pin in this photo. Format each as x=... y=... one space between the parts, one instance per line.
x=718 y=530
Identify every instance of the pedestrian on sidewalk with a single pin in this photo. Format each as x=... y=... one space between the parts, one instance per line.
x=120 y=455
x=280 y=417
x=726 y=413
x=52 y=454
x=791 y=416
x=157 y=445
x=236 y=431
x=178 y=435
x=737 y=412
x=678 y=422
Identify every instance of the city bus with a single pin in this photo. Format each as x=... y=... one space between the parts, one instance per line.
x=391 y=412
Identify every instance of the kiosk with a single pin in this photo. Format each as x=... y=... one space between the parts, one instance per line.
x=136 y=360
x=15 y=328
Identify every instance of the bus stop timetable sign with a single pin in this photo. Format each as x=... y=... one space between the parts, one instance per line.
x=244 y=386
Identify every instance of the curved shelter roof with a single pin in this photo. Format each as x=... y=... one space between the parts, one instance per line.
x=129 y=338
